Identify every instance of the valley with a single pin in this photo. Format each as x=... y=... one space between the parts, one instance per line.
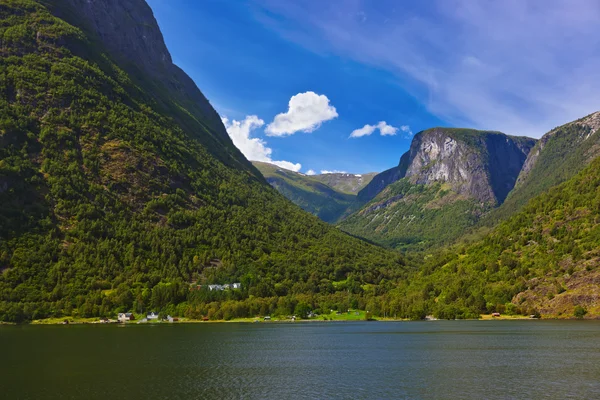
x=122 y=191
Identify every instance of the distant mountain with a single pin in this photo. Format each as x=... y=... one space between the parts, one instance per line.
x=344 y=182
x=327 y=196
x=119 y=185
x=442 y=186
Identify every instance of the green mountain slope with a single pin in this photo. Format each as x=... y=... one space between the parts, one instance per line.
x=409 y=216
x=544 y=259
x=327 y=196
x=442 y=186
x=559 y=155
x=344 y=182
x=119 y=187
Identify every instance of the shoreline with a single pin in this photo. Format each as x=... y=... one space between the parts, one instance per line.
x=97 y=321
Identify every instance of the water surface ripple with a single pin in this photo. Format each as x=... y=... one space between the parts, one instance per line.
x=361 y=360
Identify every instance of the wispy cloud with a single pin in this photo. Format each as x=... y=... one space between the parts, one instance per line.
x=384 y=130
x=407 y=131
x=253 y=148
x=519 y=66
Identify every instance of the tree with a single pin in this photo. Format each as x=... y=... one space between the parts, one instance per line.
x=579 y=312
x=302 y=309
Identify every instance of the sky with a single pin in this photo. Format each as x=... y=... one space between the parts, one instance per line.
x=343 y=85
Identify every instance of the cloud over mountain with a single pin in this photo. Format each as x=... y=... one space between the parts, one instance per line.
x=253 y=148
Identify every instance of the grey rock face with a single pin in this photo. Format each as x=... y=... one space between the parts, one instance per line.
x=477 y=164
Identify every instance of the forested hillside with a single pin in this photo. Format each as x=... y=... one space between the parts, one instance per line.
x=119 y=190
x=545 y=259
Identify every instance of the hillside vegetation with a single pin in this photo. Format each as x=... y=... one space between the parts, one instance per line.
x=408 y=216
x=559 y=155
x=328 y=196
x=116 y=194
x=545 y=259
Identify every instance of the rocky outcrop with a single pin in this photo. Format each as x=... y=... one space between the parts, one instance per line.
x=482 y=165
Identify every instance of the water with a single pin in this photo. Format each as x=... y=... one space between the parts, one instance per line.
x=362 y=360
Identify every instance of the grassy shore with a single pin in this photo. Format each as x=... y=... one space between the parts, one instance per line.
x=353 y=315
x=489 y=317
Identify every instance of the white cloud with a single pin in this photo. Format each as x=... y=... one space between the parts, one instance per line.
x=311 y=172
x=254 y=149
x=384 y=130
x=406 y=129
x=335 y=171
x=287 y=165
x=364 y=131
x=306 y=112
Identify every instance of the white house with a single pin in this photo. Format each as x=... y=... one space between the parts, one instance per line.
x=225 y=286
x=152 y=315
x=124 y=317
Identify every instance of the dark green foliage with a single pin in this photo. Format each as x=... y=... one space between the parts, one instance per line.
x=302 y=309
x=116 y=197
x=579 y=312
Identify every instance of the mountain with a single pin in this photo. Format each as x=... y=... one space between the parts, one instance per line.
x=446 y=181
x=120 y=186
x=544 y=259
x=557 y=156
x=327 y=196
x=344 y=182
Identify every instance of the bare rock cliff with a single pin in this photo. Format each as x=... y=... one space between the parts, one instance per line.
x=477 y=164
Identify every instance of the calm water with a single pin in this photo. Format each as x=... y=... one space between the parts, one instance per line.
x=363 y=360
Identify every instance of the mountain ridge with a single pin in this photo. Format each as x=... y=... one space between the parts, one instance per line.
x=328 y=196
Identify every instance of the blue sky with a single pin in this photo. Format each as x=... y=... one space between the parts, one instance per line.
x=341 y=85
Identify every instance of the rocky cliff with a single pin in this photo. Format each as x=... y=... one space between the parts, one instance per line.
x=481 y=165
